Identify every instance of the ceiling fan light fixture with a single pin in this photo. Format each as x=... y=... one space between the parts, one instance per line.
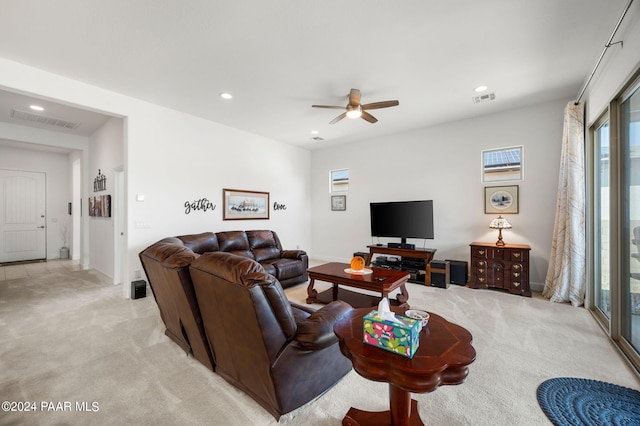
x=354 y=111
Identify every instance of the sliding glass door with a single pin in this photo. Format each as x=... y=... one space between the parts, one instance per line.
x=602 y=169
x=615 y=220
x=630 y=254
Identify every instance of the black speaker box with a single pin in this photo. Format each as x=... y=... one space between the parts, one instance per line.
x=138 y=289
x=363 y=255
x=439 y=273
x=459 y=272
x=402 y=245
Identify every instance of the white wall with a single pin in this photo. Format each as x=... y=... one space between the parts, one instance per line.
x=171 y=158
x=105 y=154
x=56 y=168
x=443 y=163
x=617 y=67
x=178 y=158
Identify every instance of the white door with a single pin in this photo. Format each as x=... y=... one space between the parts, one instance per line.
x=22 y=216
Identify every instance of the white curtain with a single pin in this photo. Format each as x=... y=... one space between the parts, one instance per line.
x=566 y=277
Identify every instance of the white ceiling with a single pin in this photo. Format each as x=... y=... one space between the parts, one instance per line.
x=279 y=57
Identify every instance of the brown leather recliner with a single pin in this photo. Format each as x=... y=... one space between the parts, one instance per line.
x=166 y=264
x=283 y=355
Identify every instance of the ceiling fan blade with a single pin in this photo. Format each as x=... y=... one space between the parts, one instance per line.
x=370 y=118
x=383 y=104
x=338 y=118
x=327 y=106
x=354 y=97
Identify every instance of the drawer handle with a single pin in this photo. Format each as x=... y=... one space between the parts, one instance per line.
x=516 y=274
x=482 y=263
x=481 y=251
x=517 y=267
x=516 y=255
x=516 y=284
x=481 y=270
x=481 y=280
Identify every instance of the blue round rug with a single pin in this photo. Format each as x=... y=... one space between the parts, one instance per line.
x=583 y=402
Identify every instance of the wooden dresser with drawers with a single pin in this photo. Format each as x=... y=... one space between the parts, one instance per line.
x=505 y=267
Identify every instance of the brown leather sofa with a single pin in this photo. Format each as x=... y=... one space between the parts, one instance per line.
x=166 y=265
x=288 y=266
x=281 y=354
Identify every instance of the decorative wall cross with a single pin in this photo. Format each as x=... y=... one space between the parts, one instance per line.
x=100 y=182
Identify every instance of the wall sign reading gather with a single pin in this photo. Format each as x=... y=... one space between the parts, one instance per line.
x=201 y=204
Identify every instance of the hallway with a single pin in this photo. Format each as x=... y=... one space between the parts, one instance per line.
x=34 y=269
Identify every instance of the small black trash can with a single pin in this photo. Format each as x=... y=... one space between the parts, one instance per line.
x=138 y=289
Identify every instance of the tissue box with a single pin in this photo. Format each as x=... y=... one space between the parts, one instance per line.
x=400 y=338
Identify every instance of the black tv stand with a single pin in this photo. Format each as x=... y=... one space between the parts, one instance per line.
x=412 y=260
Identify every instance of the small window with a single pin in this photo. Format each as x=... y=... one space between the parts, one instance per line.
x=502 y=164
x=339 y=180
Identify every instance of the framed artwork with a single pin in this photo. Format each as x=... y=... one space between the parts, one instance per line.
x=244 y=205
x=501 y=199
x=100 y=206
x=502 y=164
x=338 y=202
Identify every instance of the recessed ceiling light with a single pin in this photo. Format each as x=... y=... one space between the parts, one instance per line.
x=314 y=132
x=480 y=89
x=36 y=107
x=225 y=95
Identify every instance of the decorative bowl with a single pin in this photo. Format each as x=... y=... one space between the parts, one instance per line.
x=418 y=314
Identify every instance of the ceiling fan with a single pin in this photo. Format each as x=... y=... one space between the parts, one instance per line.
x=354 y=109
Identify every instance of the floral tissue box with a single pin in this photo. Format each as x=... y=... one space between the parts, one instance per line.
x=402 y=337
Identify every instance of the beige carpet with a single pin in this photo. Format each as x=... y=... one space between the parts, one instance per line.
x=69 y=336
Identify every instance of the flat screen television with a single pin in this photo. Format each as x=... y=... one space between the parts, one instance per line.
x=402 y=219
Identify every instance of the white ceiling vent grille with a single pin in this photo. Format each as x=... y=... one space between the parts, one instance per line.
x=43 y=119
x=484 y=98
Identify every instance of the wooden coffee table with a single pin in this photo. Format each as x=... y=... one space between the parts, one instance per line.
x=443 y=357
x=381 y=281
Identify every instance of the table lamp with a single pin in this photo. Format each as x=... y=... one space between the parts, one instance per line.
x=500 y=223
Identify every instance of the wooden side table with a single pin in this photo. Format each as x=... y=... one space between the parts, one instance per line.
x=443 y=358
x=505 y=267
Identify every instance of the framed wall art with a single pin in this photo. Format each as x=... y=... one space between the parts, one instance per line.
x=100 y=206
x=501 y=199
x=244 y=205
x=338 y=203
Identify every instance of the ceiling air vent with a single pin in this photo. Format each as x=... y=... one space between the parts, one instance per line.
x=317 y=138
x=484 y=98
x=43 y=119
